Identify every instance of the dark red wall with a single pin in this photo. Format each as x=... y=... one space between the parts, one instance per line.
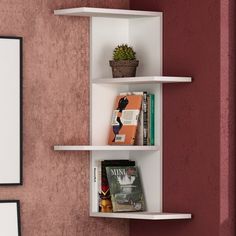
x=198 y=118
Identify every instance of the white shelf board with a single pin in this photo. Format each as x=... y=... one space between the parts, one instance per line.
x=143 y=80
x=104 y=148
x=105 y=12
x=144 y=215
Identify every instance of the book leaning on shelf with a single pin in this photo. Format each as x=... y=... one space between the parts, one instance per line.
x=125 y=188
x=141 y=134
x=125 y=119
x=105 y=204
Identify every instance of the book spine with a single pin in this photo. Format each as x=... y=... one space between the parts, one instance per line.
x=148 y=119
x=95 y=190
x=99 y=182
x=139 y=135
x=145 y=118
x=105 y=193
x=152 y=119
x=97 y=177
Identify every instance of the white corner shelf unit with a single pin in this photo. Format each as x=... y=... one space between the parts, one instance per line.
x=142 y=30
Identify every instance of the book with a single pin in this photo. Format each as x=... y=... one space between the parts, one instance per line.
x=152 y=119
x=148 y=119
x=145 y=117
x=95 y=189
x=105 y=191
x=125 y=120
x=125 y=188
x=139 y=133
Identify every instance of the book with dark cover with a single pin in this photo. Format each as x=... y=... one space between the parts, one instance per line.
x=152 y=119
x=125 y=188
x=105 y=191
x=145 y=114
x=148 y=119
x=125 y=120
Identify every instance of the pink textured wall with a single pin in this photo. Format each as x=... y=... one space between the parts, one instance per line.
x=199 y=118
x=54 y=197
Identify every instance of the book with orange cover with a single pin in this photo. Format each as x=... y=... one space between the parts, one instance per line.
x=125 y=120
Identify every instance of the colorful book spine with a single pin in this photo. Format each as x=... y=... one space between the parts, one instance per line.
x=148 y=120
x=145 y=114
x=95 y=189
x=152 y=119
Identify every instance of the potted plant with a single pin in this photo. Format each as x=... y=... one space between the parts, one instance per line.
x=124 y=61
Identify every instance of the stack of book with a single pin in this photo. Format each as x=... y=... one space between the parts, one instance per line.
x=119 y=186
x=133 y=119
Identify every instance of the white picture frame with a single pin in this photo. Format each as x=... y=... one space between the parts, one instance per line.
x=10 y=218
x=11 y=110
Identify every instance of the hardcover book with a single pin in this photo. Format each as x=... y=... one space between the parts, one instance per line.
x=105 y=191
x=125 y=188
x=139 y=133
x=152 y=119
x=145 y=114
x=125 y=120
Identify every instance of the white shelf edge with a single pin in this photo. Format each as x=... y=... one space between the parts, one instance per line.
x=105 y=12
x=104 y=148
x=144 y=79
x=144 y=215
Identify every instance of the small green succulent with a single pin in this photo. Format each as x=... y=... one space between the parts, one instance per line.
x=123 y=52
